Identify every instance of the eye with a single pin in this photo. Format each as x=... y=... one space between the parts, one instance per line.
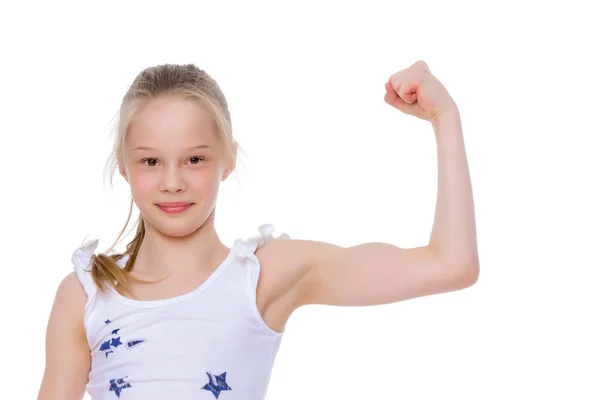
x=148 y=159
x=198 y=158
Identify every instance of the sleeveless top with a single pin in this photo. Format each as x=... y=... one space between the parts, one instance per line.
x=209 y=343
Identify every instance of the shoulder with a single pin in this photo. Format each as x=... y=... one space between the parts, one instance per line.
x=282 y=255
x=70 y=291
x=67 y=313
x=71 y=286
x=284 y=268
x=70 y=298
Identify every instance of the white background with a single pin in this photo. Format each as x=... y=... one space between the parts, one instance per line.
x=328 y=159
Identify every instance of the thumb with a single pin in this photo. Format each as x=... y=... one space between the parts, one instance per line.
x=392 y=98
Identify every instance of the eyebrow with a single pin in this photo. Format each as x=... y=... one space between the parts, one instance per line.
x=202 y=146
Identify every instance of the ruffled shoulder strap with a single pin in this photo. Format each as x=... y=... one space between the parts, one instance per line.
x=82 y=265
x=244 y=248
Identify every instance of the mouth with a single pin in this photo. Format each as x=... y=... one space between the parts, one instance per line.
x=174 y=207
x=174 y=204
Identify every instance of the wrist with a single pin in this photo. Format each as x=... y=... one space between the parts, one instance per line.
x=449 y=116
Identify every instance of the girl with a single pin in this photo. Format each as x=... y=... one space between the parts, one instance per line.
x=179 y=315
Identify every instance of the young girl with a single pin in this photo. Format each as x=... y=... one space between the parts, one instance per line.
x=179 y=315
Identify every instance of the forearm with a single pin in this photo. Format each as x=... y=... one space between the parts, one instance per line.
x=453 y=235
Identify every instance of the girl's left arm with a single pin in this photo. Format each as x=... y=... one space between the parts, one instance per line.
x=380 y=273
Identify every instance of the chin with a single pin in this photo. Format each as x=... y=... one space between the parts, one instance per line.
x=177 y=233
x=176 y=229
x=175 y=225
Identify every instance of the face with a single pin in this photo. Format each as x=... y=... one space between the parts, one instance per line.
x=173 y=154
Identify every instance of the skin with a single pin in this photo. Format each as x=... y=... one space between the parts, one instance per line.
x=180 y=248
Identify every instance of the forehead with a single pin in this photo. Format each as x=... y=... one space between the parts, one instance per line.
x=172 y=123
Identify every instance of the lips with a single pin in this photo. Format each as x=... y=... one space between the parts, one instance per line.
x=174 y=204
x=174 y=207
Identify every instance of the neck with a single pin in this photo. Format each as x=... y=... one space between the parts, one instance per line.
x=161 y=255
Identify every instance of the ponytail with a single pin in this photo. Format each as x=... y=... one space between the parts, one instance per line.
x=105 y=270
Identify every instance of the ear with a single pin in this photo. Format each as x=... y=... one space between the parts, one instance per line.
x=229 y=169
x=123 y=174
x=226 y=173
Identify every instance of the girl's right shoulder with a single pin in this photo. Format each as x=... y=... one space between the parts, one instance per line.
x=77 y=289
x=76 y=292
x=70 y=296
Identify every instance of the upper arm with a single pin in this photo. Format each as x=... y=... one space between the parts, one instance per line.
x=67 y=352
x=376 y=273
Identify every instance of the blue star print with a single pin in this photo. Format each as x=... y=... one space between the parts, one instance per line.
x=105 y=346
x=117 y=385
x=108 y=345
x=113 y=341
x=217 y=385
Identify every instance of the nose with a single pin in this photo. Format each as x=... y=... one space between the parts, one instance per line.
x=172 y=180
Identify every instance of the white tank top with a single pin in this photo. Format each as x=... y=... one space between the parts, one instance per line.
x=210 y=343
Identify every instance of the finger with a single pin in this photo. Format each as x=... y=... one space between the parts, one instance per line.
x=408 y=92
x=391 y=97
x=390 y=94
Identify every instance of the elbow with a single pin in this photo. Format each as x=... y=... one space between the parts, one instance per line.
x=469 y=272
x=466 y=271
x=472 y=275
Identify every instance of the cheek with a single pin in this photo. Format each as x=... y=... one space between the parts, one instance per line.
x=144 y=189
x=205 y=185
x=143 y=184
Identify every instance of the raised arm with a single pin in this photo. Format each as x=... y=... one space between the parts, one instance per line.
x=381 y=273
x=67 y=352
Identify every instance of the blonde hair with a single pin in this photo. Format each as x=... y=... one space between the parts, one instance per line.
x=189 y=82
